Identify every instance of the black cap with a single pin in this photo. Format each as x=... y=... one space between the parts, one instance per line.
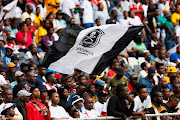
x=120 y=71
x=42 y=88
x=14 y=58
x=133 y=77
x=102 y=93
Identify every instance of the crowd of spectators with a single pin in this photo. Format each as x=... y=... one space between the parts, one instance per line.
x=29 y=91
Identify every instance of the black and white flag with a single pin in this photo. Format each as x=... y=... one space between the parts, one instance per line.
x=94 y=49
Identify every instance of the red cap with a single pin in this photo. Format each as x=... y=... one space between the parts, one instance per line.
x=58 y=76
x=10 y=46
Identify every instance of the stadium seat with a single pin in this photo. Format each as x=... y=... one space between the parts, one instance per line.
x=132 y=61
x=141 y=60
x=137 y=69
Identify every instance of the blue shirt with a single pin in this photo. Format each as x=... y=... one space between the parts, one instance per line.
x=12 y=85
x=6 y=60
x=62 y=22
x=152 y=58
x=13 y=32
x=146 y=82
x=2 y=52
x=174 y=56
x=39 y=81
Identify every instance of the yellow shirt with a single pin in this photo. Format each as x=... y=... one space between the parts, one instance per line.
x=161 y=108
x=167 y=79
x=175 y=17
x=38 y=19
x=41 y=32
x=51 y=8
x=26 y=15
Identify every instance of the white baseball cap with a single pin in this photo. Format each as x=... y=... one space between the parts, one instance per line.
x=23 y=93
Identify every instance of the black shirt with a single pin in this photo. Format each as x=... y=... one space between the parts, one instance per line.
x=117 y=107
x=111 y=21
x=170 y=110
x=10 y=77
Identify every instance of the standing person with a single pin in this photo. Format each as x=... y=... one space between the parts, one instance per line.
x=100 y=14
x=43 y=9
x=176 y=16
x=35 y=110
x=117 y=7
x=57 y=112
x=117 y=106
x=87 y=14
x=67 y=6
x=136 y=6
x=52 y=6
x=118 y=79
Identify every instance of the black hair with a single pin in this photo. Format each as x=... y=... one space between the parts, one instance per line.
x=172 y=78
x=164 y=89
x=113 y=11
x=60 y=92
x=120 y=88
x=14 y=20
x=154 y=94
x=28 y=18
x=51 y=92
x=31 y=46
x=158 y=65
x=143 y=65
x=48 y=29
x=80 y=76
x=140 y=86
x=74 y=111
x=17 y=88
x=4 y=91
x=32 y=88
x=21 y=25
x=49 y=74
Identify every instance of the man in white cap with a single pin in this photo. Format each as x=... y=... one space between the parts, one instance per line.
x=8 y=111
x=19 y=78
x=23 y=99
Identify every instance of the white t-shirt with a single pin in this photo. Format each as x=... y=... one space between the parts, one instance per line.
x=89 y=113
x=178 y=33
x=124 y=21
x=142 y=74
x=2 y=80
x=105 y=5
x=103 y=16
x=98 y=107
x=125 y=5
x=66 y=5
x=145 y=8
x=88 y=12
x=58 y=112
x=135 y=21
x=18 y=12
x=161 y=8
x=27 y=56
x=42 y=11
x=139 y=106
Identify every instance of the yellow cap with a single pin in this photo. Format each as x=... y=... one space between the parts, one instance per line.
x=171 y=69
x=166 y=10
x=10 y=65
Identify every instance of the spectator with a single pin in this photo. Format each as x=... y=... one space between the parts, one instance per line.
x=31 y=28
x=175 y=57
x=114 y=18
x=171 y=72
x=8 y=111
x=176 y=16
x=125 y=20
x=55 y=110
x=61 y=22
x=51 y=80
x=117 y=106
x=143 y=73
x=147 y=56
x=136 y=6
x=10 y=72
x=149 y=81
x=166 y=95
x=118 y=79
x=82 y=80
x=28 y=14
x=38 y=18
x=19 y=78
x=43 y=94
x=160 y=70
x=31 y=79
x=23 y=37
x=161 y=58
x=9 y=48
x=2 y=48
x=52 y=6
x=117 y=7
x=41 y=73
x=32 y=108
x=13 y=27
x=43 y=9
x=115 y=67
x=161 y=85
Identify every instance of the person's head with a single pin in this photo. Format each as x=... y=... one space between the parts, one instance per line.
x=14 y=24
x=31 y=78
x=174 y=80
x=59 y=15
x=120 y=72
x=72 y=21
x=92 y=88
x=154 y=36
x=54 y=14
x=43 y=91
x=166 y=93
x=19 y=76
x=63 y=93
x=176 y=88
x=131 y=14
x=3 y=73
x=160 y=68
x=50 y=30
x=147 y=56
x=41 y=70
x=178 y=9
x=162 y=82
x=102 y=97
x=6 y=22
x=117 y=3
x=50 y=77
x=88 y=104
x=8 y=110
x=115 y=65
x=46 y=23
x=7 y=31
x=24 y=96
x=22 y=26
x=144 y=66
x=100 y=6
x=54 y=97
x=173 y=101
x=66 y=81
x=15 y=59
x=28 y=21
x=82 y=80
x=133 y=80
x=11 y=67
x=157 y=97
x=155 y=52
x=142 y=91
x=122 y=91
x=98 y=22
x=35 y=92
x=7 y=95
x=151 y=72
x=77 y=101
x=38 y=10
x=162 y=54
x=29 y=8
x=24 y=67
x=126 y=14
x=156 y=12
x=75 y=114
x=50 y=17
x=114 y=14
x=33 y=49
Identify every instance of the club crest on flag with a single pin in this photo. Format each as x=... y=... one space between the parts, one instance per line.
x=92 y=39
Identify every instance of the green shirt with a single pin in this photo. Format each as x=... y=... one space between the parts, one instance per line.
x=114 y=82
x=168 y=23
x=140 y=46
x=161 y=20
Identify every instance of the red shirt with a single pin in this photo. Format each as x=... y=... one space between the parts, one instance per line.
x=33 y=113
x=20 y=36
x=130 y=87
x=111 y=73
x=32 y=30
x=136 y=6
